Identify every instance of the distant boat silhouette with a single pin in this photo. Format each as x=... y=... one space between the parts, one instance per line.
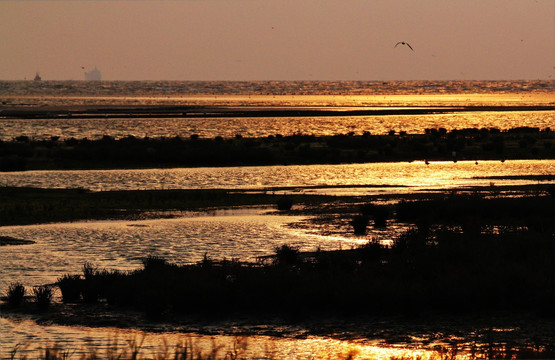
x=37 y=77
x=404 y=43
x=93 y=75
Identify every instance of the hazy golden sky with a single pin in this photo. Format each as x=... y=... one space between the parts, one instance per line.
x=278 y=39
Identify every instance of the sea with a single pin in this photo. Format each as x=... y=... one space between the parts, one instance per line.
x=244 y=233
x=515 y=96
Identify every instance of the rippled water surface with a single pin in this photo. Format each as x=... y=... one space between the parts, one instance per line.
x=245 y=234
x=65 y=247
x=262 y=127
x=283 y=94
x=393 y=177
x=85 y=340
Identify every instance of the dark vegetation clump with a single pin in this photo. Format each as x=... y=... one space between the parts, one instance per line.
x=24 y=153
x=43 y=297
x=15 y=295
x=378 y=213
x=360 y=223
x=475 y=211
x=284 y=204
x=467 y=255
x=71 y=287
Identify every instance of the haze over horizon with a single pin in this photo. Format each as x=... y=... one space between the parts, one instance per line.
x=278 y=40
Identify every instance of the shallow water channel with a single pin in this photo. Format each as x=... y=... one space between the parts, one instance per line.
x=64 y=247
x=353 y=179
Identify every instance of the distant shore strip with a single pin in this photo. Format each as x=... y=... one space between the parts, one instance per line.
x=161 y=111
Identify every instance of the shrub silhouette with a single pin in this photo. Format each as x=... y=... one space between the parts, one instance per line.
x=379 y=213
x=43 y=297
x=360 y=223
x=284 y=204
x=15 y=294
x=71 y=287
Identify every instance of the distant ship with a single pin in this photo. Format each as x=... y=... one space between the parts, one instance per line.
x=37 y=77
x=93 y=75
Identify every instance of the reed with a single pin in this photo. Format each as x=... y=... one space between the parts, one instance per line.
x=509 y=271
x=71 y=287
x=15 y=295
x=187 y=349
x=435 y=144
x=43 y=297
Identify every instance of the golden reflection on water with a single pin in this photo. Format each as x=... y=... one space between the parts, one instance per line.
x=338 y=99
x=30 y=338
x=367 y=178
x=66 y=128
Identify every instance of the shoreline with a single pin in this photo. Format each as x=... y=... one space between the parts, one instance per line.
x=24 y=153
x=415 y=332
x=215 y=111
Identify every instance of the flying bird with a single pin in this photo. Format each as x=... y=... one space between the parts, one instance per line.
x=404 y=43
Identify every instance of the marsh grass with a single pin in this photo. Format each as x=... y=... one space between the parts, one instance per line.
x=43 y=297
x=360 y=224
x=130 y=152
x=134 y=349
x=15 y=294
x=188 y=349
x=466 y=254
x=70 y=287
x=440 y=271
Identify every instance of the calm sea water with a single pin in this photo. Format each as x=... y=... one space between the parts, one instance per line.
x=62 y=248
x=179 y=88
x=332 y=179
x=331 y=95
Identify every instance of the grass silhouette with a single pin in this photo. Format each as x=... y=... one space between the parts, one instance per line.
x=24 y=153
x=439 y=271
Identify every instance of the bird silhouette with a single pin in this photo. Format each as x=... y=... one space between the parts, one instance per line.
x=404 y=43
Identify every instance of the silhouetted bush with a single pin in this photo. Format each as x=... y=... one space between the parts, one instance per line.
x=70 y=286
x=43 y=297
x=379 y=213
x=90 y=285
x=153 y=263
x=284 y=204
x=287 y=256
x=360 y=223
x=15 y=294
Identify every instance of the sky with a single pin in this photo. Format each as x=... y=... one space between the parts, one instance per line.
x=278 y=39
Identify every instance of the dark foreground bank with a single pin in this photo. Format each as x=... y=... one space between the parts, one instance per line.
x=465 y=254
x=474 y=269
x=24 y=153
